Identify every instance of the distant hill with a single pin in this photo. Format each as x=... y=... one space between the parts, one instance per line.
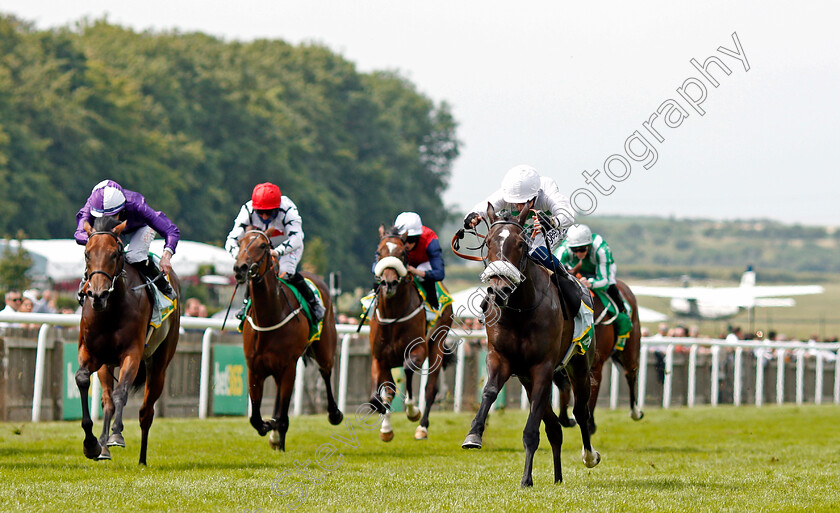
x=659 y=247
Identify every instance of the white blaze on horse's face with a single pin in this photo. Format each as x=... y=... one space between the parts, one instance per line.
x=392 y=247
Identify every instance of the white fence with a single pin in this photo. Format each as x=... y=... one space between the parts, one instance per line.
x=821 y=353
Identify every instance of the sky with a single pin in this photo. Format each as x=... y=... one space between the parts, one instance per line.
x=563 y=87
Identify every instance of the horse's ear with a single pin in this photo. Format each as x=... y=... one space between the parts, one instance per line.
x=526 y=211
x=381 y=230
x=120 y=227
x=491 y=213
x=404 y=237
x=88 y=228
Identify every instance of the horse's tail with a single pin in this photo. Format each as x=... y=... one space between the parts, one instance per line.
x=140 y=379
x=308 y=354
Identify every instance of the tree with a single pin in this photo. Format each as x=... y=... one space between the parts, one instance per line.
x=14 y=266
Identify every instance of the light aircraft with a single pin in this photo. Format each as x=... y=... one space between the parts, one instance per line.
x=726 y=302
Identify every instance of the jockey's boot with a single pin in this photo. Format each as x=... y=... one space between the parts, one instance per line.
x=240 y=314
x=615 y=295
x=80 y=294
x=156 y=276
x=570 y=289
x=315 y=307
x=431 y=294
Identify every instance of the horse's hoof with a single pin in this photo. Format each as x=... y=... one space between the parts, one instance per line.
x=637 y=414
x=473 y=441
x=105 y=454
x=568 y=423
x=336 y=417
x=527 y=482
x=591 y=459
x=416 y=417
x=92 y=449
x=421 y=433
x=116 y=440
x=386 y=437
x=276 y=442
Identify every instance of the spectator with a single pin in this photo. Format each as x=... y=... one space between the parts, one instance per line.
x=13 y=300
x=27 y=306
x=202 y=310
x=191 y=307
x=734 y=334
x=48 y=302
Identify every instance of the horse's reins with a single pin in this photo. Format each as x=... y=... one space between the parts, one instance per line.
x=117 y=274
x=256 y=276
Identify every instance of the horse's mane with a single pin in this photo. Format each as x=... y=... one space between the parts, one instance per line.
x=106 y=223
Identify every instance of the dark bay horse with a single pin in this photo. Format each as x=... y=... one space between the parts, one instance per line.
x=398 y=336
x=276 y=334
x=627 y=358
x=528 y=336
x=115 y=331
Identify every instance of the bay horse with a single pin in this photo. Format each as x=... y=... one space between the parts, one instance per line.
x=528 y=336
x=398 y=336
x=276 y=334
x=114 y=331
x=627 y=358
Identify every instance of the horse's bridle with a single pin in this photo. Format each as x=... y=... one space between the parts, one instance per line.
x=403 y=256
x=121 y=266
x=523 y=260
x=253 y=269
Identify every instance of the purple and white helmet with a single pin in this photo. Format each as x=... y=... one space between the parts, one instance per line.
x=106 y=199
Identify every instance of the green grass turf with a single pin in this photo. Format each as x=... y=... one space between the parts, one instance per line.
x=704 y=459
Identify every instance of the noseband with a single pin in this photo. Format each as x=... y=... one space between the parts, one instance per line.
x=118 y=273
x=504 y=267
x=393 y=262
x=253 y=269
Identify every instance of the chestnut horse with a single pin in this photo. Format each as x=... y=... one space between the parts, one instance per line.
x=528 y=336
x=627 y=358
x=114 y=331
x=276 y=334
x=398 y=336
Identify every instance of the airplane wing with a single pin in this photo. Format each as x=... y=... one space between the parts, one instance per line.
x=786 y=290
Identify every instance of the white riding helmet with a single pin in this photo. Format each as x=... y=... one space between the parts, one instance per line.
x=409 y=223
x=578 y=235
x=520 y=184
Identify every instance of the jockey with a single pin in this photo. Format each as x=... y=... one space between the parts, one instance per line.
x=424 y=256
x=520 y=185
x=587 y=253
x=278 y=217
x=108 y=198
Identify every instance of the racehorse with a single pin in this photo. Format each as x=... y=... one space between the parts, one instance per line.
x=276 y=334
x=398 y=336
x=528 y=336
x=115 y=331
x=628 y=358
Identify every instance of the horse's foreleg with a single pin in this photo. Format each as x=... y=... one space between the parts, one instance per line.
x=595 y=374
x=129 y=366
x=541 y=381
x=554 y=432
x=91 y=446
x=629 y=359
x=106 y=379
x=154 y=388
x=562 y=382
x=285 y=385
x=255 y=392
x=582 y=385
x=498 y=372
x=324 y=355
x=413 y=363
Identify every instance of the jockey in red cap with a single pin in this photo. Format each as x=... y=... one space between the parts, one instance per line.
x=278 y=217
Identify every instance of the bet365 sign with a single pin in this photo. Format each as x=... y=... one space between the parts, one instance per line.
x=229 y=376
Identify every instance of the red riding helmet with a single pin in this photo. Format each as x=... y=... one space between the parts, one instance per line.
x=266 y=196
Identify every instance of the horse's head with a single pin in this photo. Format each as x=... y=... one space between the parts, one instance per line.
x=254 y=255
x=507 y=254
x=104 y=259
x=390 y=260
